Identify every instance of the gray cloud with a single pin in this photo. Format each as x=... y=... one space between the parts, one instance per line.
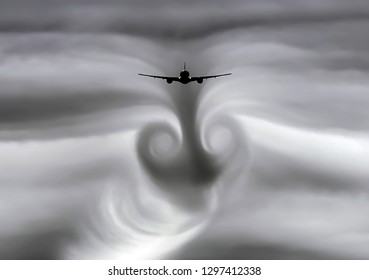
x=170 y=20
x=269 y=163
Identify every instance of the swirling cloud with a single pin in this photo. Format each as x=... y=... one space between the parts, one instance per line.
x=97 y=162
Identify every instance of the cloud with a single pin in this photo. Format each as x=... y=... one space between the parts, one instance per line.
x=103 y=163
x=170 y=20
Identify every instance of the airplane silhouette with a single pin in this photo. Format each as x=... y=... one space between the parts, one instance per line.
x=184 y=77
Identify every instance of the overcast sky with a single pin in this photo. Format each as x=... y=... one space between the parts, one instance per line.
x=97 y=162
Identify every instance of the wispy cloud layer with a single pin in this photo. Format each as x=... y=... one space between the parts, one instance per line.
x=98 y=162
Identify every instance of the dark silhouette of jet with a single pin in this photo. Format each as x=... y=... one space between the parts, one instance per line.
x=185 y=77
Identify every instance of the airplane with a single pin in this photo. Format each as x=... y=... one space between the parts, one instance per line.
x=184 y=77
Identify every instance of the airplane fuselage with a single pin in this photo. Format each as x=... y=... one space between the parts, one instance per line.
x=184 y=77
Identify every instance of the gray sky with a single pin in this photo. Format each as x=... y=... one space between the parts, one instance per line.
x=269 y=163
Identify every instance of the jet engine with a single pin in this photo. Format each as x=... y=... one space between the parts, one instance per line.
x=200 y=81
x=169 y=81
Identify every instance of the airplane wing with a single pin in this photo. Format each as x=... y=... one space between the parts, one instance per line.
x=168 y=79
x=201 y=78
